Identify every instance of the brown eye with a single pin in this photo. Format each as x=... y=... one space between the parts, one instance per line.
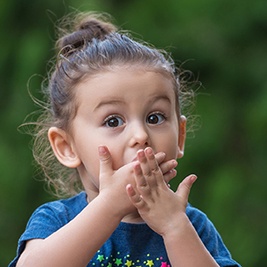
x=113 y=121
x=156 y=118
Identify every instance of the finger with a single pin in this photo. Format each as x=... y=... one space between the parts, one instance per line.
x=153 y=165
x=149 y=166
x=145 y=168
x=169 y=175
x=134 y=196
x=185 y=186
x=168 y=166
x=141 y=182
x=105 y=159
x=160 y=156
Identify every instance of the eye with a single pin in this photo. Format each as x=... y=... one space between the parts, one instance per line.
x=113 y=121
x=156 y=118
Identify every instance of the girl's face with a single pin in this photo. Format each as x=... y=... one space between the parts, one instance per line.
x=125 y=109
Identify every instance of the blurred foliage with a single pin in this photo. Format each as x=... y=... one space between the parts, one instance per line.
x=223 y=42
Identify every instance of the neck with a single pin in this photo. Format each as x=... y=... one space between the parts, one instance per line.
x=133 y=218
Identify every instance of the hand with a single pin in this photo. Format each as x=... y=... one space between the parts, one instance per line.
x=156 y=203
x=167 y=167
x=114 y=181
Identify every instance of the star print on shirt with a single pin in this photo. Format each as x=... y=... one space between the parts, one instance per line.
x=149 y=263
x=165 y=264
x=129 y=263
x=100 y=257
x=118 y=262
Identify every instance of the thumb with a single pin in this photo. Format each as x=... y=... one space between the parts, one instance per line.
x=105 y=160
x=185 y=186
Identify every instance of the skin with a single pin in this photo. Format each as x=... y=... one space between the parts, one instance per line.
x=124 y=146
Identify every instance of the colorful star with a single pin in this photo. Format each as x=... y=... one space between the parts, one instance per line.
x=100 y=258
x=118 y=262
x=129 y=263
x=149 y=263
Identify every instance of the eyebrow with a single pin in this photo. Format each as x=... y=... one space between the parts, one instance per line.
x=120 y=101
x=161 y=97
x=109 y=102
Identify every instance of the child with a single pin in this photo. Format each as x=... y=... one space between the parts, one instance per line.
x=114 y=119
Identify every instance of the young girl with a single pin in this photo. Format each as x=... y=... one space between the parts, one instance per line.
x=114 y=119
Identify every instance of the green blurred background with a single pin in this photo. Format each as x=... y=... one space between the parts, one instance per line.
x=223 y=42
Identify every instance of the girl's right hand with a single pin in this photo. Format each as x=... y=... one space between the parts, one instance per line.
x=167 y=167
x=112 y=183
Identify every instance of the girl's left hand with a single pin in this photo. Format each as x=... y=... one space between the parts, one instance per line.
x=157 y=204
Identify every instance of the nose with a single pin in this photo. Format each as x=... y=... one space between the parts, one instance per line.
x=139 y=136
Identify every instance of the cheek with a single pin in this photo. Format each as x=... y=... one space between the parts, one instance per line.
x=90 y=162
x=118 y=158
x=169 y=145
x=93 y=167
x=173 y=151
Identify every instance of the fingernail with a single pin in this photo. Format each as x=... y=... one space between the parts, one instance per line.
x=140 y=153
x=193 y=178
x=149 y=150
x=174 y=163
x=102 y=150
x=173 y=171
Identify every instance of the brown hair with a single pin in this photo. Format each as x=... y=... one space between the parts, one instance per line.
x=88 y=45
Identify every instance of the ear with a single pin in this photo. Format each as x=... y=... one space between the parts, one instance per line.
x=182 y=136
x=62 y=147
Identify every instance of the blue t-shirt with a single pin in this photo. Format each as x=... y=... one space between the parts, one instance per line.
x=130 y=244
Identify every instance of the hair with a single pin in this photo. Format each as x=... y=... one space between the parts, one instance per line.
x=88 y=44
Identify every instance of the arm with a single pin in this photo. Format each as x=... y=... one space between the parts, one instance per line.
x=164 y=211
x=183 y=245
x=77 y=242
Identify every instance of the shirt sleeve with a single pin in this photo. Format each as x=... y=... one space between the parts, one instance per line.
x=210 y=237
x=46 y=220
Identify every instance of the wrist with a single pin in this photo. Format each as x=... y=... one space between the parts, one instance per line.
x=177 y=228
x=114 y=208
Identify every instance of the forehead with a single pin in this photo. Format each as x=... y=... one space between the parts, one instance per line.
x=119 y=77
x=129 y=83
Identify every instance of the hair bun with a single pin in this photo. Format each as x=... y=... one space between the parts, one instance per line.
x=86 y=29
